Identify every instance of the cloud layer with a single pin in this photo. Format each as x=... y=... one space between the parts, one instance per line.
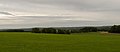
x=31 y=13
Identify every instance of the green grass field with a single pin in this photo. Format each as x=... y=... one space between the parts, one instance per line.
x=82 y=42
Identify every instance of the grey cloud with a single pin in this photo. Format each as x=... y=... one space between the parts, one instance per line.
x=61 y=12
x=6 y=13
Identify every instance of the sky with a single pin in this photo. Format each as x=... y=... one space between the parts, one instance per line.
x=58 y=13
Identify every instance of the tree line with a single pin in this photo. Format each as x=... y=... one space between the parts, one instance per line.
x=68 y=30
x=64 y=31
x=110 y=29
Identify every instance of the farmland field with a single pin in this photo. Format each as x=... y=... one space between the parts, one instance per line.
x=81 y=42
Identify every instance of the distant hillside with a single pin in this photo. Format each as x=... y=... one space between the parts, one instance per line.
x=65 y=28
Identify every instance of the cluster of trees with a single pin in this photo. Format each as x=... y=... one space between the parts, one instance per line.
x=104 y=28
x=50 y=30
x=115 y=29
x=64 y=31
x=68 y=30
x=89 y=29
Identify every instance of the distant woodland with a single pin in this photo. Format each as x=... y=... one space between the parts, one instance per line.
x=67 y=30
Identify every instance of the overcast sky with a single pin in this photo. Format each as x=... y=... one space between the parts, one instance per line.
x=50 y=13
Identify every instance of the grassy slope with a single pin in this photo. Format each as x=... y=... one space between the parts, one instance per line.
x=84 y=42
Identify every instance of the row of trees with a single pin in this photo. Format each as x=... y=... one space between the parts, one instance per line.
x=110 y=29
x=50 y=30
x=63 y=31
x=89 y=29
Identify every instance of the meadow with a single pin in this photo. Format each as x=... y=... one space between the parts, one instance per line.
x=78 y=42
